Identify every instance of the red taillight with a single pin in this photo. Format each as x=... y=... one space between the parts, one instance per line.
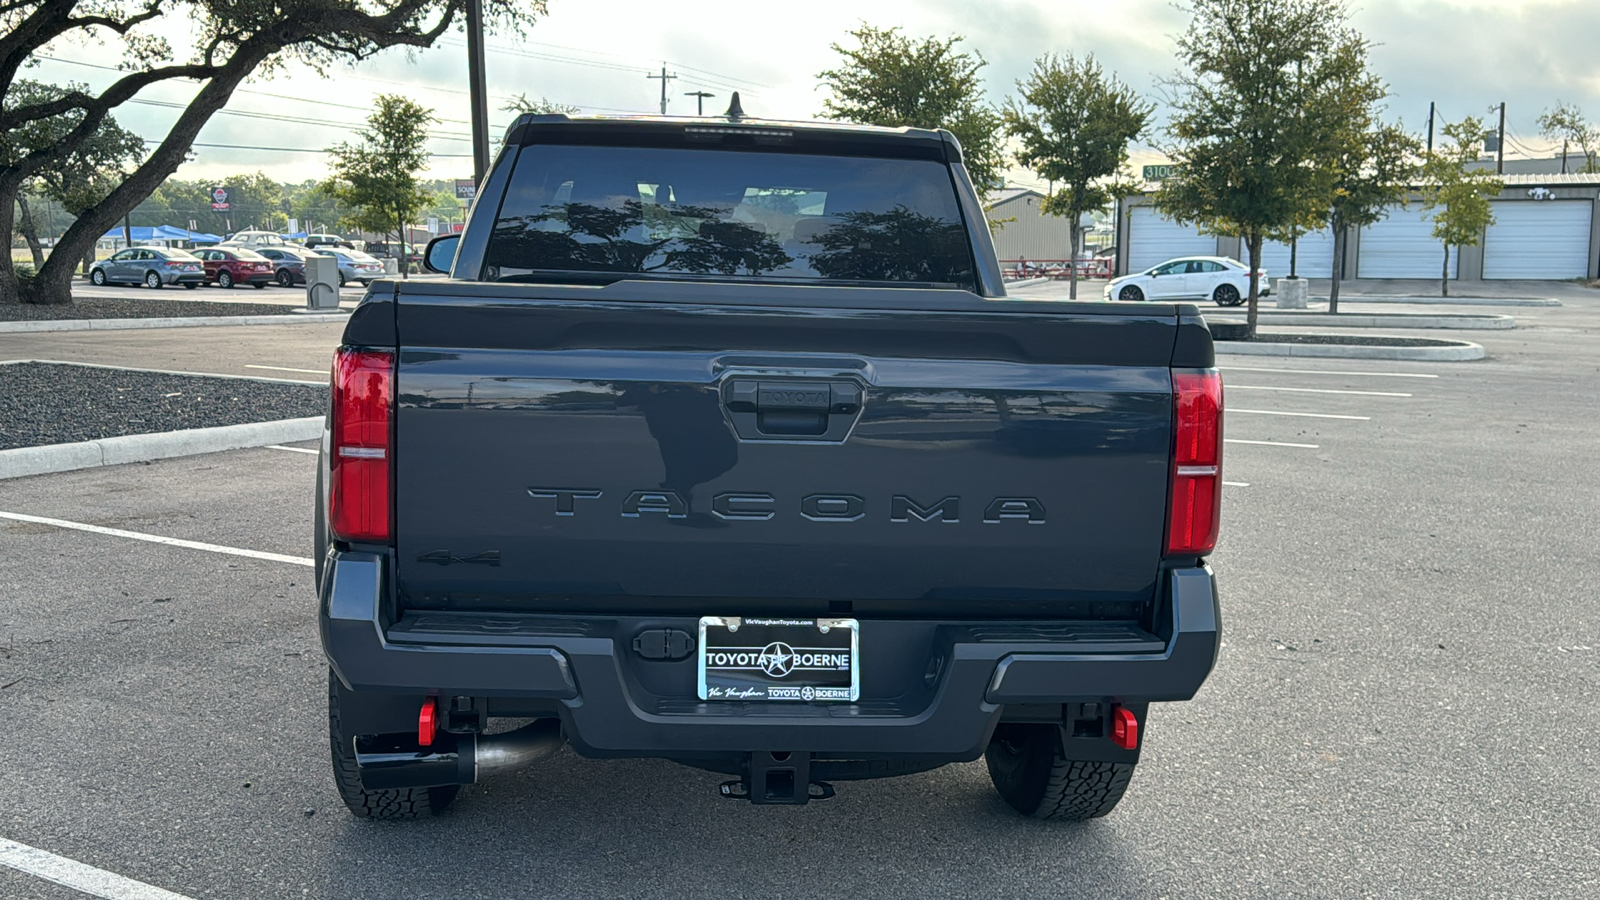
x=358 y=487
x=1196 y=463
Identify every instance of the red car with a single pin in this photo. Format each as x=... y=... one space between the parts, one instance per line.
x=228 y=266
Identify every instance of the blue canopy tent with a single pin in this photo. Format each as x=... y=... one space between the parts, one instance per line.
x=143 y=233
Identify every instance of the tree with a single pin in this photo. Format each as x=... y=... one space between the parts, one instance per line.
x=377 y=178
x=1568 y=125
x=1459 y=196
x=893 y=81
x=1075 y=123
x=76 y=180
x=1253 y=117
x=1374 y=171
x=233 y=39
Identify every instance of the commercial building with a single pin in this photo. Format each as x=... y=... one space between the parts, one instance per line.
x=1547 y=227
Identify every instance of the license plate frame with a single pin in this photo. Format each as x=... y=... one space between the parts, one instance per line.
x=779 y=659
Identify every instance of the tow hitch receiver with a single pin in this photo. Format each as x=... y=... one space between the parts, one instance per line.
x=778 y=778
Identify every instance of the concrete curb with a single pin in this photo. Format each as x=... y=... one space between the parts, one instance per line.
x=1463 y=322
x=1446 y=301
x=1462 y=352
x=163 y=445
x=186 y=322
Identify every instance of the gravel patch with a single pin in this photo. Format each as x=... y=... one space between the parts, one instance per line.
x=135 y=308
x=1343 y=340
x=51 y=403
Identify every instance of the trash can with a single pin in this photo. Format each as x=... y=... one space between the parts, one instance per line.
x=322 y=283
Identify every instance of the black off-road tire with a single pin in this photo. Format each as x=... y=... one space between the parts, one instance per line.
x=1227 y=295
x=1030 y=773
x=1130 y=293
x=405 y=803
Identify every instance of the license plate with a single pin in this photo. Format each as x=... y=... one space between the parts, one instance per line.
x=802 y=660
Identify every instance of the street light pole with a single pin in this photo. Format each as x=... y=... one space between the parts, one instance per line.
x=478 y=90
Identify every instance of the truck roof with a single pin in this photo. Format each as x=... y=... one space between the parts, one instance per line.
x=742 y=131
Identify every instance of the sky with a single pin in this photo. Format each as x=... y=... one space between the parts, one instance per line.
x=1465 y=55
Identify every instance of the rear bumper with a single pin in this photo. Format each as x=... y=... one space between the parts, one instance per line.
x=938 y=689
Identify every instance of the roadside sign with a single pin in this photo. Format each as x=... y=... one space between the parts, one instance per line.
x=294 y=226
x=466 y=189
x=1159 y=173
x=433 y=224
x=219 y=198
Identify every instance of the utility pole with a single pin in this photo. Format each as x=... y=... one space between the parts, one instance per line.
x=1430 y=127
x=664 y=79
x=700 y=100
x=1563 y=156
x=1500 y=151
x=478 y=91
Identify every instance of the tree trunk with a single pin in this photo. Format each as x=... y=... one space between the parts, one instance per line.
x=1338 y=268
x=1072 y=264
x=30 y=233
x=1444 y=277
x=1253 y=242
x=54 y=281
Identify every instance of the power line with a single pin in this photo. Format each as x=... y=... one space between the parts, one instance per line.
x=290 y=149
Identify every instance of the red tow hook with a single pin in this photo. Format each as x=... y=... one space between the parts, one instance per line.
x=1124 y=728
x=427 y=722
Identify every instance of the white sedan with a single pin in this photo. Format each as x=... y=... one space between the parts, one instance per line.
x=1227 y=281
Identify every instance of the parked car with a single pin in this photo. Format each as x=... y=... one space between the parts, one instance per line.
x=255 y=240
x=1226 y=281
x=354 y=265
x=289 y=263
x=150 y=266
x=228 y=266
x=313 y=241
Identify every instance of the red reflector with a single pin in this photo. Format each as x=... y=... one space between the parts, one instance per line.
x=358 y=487
x=1124 y=729
x=1196 y=508
x=427 y=724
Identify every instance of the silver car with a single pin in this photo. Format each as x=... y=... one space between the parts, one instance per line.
x=150 y=266
x=290 y=263
x=354 y=265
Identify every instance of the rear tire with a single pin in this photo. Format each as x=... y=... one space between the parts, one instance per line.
x=1130 y=293
x=224 y=280
x=1227 y=295
x=189 y=285
x=404 y=803
x=1030 y=773
x=260 y=285
x=285 y=279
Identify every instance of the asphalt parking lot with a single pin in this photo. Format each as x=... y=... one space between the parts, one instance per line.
x=1405 y=704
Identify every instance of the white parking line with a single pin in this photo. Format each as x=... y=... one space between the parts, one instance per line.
x=78 y=876
x=1236 y=484
x=287 y=369
x=1271 y=443
x=1327 y=372
x=309 y=450
x=1257 y=387
x=158 y=539
x=1279 y=412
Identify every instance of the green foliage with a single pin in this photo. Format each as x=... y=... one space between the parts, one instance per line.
x=1255 y=115
x=1567 y=123
x=377 y=178
x=1459 y=196
x=894 y=81
x=1074 y=124
x=81 y=177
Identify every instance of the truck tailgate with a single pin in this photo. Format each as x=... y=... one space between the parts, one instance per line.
x=760 y=449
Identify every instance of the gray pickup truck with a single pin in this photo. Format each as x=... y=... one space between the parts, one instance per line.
x=723 y=444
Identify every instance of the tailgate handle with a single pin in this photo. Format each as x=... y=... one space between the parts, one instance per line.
x=804 y=410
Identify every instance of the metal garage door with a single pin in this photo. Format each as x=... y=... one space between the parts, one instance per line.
x=1153 y=239
x=1546 y=239
x=1314 y=258
x=1402 y=246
